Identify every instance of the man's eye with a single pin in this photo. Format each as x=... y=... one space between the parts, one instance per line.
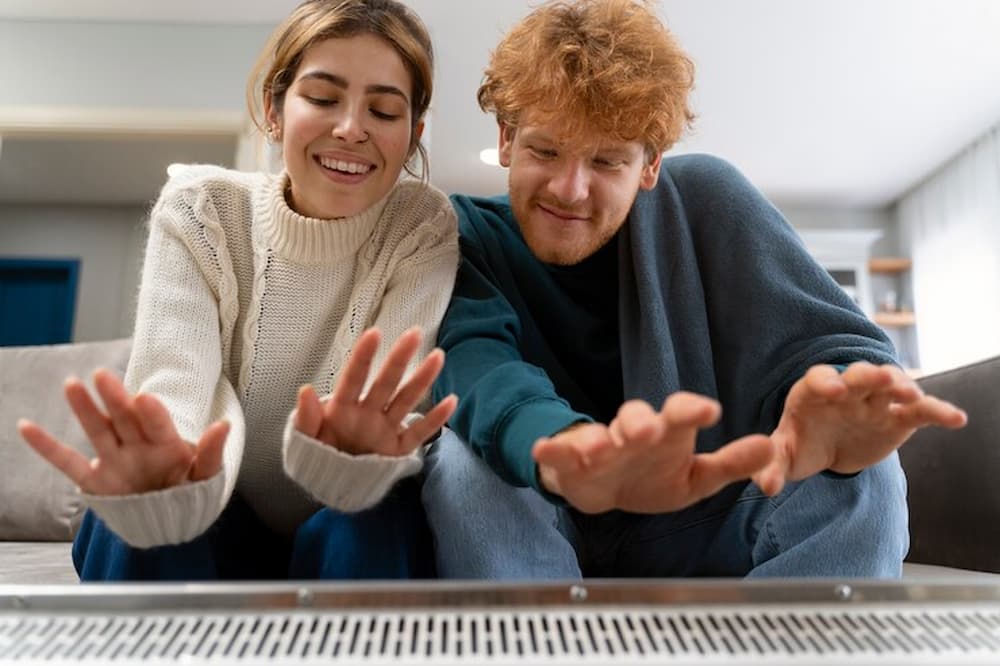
x=544 y=153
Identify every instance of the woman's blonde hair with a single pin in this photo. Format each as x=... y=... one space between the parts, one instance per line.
x=609 y=66
x=315 y=21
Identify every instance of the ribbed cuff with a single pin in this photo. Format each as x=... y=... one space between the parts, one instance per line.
x=340 y=480
x=163 y=517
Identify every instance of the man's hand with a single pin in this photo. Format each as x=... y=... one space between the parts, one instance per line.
x=138 y=449
x=373 y=423
x=847 y=421
x=645 y=461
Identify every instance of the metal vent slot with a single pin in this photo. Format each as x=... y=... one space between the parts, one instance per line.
x=543 y=636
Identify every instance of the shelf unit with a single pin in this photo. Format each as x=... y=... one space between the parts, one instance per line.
x=894 y=319
x=892 y=267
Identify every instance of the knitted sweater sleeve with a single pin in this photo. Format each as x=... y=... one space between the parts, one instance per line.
x=416 y=294
x=177 y=356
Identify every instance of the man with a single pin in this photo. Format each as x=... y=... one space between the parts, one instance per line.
x=655 y=379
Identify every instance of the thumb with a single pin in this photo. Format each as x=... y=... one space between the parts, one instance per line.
x=747 y=457
x=208 y=454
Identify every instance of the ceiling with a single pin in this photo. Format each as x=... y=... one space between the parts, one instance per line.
x=833 y=103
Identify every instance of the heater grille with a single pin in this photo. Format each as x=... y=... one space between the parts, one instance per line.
x=556 y=635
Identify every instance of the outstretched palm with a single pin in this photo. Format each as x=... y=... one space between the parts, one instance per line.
x=847 y=422
x=138 y=449
x=645 y=461
x=373 y=422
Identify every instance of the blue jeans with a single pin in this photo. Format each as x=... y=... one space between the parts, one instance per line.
x=485 y=528
x=388 y=541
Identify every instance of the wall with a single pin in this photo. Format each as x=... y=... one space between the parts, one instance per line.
x=107 y=240
x=166 y=66
x=812 y=217
x=804 y=218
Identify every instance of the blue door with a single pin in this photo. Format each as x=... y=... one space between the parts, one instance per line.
x=37 y=301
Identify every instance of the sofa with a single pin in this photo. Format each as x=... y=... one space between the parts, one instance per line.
x=954 y=507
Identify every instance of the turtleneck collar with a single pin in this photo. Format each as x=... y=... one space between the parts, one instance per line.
x=310 y=240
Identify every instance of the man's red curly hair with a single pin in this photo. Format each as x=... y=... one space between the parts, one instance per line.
x=609 y=66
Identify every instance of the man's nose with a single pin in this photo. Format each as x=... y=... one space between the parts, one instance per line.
x=571 y=183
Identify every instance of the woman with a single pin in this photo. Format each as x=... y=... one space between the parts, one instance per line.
x=211 y=462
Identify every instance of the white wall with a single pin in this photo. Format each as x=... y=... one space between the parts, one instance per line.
x=812 y=217
x=107 y=240
x=167 y=66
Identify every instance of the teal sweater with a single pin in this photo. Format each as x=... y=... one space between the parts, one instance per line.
x=715 y=294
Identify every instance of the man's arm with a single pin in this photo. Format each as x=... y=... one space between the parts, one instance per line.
x=505 y=404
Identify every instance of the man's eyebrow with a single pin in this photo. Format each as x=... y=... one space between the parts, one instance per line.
x=341 y=82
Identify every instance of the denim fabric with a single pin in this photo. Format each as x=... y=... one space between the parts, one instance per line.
x=388 y=541
x=485 y=528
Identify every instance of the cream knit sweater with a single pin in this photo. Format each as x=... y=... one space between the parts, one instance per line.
x=242 y=301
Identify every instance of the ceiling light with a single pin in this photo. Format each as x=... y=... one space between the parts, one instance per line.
x=489 y=156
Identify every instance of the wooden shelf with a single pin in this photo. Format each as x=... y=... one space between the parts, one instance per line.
x=889 y=265
x=894 y=319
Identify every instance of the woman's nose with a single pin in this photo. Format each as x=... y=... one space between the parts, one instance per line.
x=349 y=126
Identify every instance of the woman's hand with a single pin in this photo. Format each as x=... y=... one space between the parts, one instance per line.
x=373 y=423
x=138 y=449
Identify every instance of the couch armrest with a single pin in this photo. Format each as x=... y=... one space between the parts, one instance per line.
x=953 y=474
x=38 y=503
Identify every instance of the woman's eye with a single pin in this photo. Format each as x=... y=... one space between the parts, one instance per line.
x=320 y=101
x=383 y=115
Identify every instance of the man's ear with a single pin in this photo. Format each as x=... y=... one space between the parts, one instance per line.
x=505 y=144
x=650 y=172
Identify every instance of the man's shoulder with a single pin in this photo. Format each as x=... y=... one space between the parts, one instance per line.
x=699 y=168
x=483 y=216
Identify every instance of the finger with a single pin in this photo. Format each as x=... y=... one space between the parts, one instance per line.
x=353 y=377
x=423 y=429
x=416 y=387
x=119 y=405
x=208 y=454
x=930 y=410
x=735 y=461
x=865 y=380
x=308 y=412
x=556 y=454
x=155 y=421
x=637 y=423
x=67 y=460
x=396 y=361
x=903 y=388
x=771 y=479
x=95 y=422
x=690 y=410
x=822 y=383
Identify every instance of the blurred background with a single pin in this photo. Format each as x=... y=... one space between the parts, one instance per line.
x=873 y=125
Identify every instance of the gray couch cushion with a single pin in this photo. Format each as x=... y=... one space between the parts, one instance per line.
x=952 y=475
x=37 y=503
x=24 y=563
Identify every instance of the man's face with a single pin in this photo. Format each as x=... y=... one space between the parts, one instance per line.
x=570 y=198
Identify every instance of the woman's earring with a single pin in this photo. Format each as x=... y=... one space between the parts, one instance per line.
x=273 y=133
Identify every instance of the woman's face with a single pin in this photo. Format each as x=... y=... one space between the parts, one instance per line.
x=345 y=126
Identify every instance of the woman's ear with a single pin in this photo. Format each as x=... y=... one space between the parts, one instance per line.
x=272 y=119
x=418 y=132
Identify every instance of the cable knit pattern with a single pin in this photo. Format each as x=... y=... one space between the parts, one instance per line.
x=242 y=301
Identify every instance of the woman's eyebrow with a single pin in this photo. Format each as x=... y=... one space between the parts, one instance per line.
x=341 y=82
